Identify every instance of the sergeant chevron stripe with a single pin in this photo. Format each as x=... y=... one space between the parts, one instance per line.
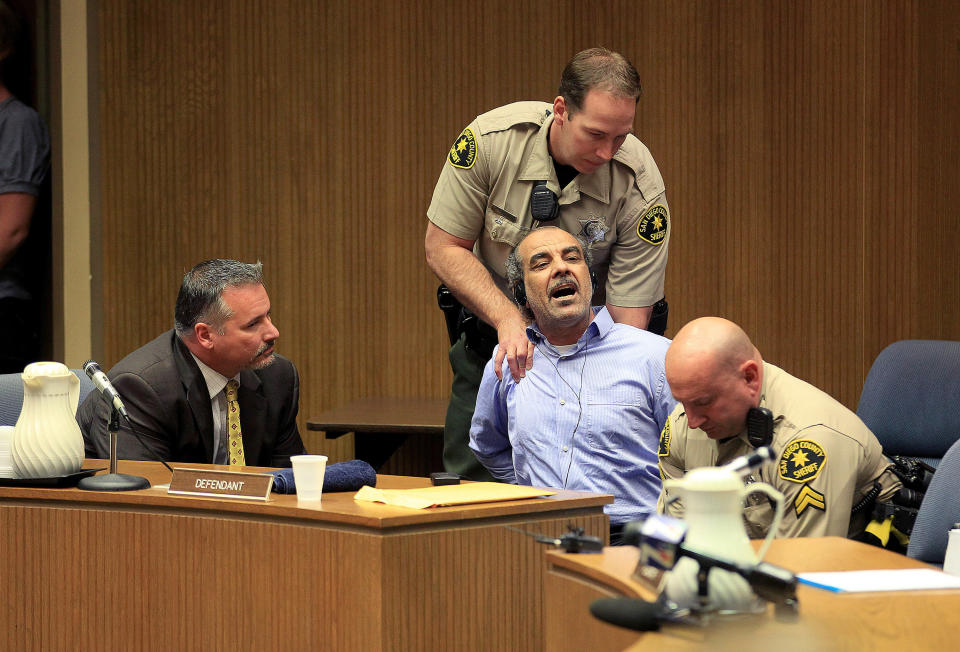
x=809 y=497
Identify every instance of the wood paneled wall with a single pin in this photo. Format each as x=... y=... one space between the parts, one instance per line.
x=810 y=151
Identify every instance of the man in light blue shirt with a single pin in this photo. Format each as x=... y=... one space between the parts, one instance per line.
x=588 y=416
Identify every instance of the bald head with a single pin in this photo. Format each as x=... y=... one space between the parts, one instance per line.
x=716 y=373
x=711 y=341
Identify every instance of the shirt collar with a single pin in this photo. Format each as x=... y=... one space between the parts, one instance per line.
x=598 y=329
x=539 y=167
x=215 y=380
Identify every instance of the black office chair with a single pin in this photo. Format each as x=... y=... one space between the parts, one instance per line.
x=911 y=398
x=938 y=512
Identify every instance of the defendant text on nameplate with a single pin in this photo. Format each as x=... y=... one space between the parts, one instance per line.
x=220 y=484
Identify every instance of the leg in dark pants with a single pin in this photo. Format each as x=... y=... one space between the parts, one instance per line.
x=467 y=373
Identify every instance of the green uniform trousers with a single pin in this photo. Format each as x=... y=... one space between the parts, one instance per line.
x=467 y=373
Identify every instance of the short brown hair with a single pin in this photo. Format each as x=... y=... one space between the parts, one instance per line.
x=598 y=68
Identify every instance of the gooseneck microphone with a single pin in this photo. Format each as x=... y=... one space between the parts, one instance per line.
x=660 y=539
x=744 y=464
x=105 y=387
x=113 y=481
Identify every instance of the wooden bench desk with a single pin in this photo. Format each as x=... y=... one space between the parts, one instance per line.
x=397 y=436
x=142 y=570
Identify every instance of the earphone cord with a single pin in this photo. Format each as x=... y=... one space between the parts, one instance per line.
x=566 y=476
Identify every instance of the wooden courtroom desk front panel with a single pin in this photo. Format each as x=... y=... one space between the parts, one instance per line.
x=399 y=436
x=896 y=620
x=147 y=570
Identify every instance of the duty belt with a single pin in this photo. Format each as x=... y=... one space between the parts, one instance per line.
x=479 y=336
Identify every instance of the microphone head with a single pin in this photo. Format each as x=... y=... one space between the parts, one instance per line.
x=631 y=613
x=747 y=463
x=764 y=454
x=90 y=367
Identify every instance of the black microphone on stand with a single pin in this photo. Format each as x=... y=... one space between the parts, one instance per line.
x=661 y=542
x=660 y=539
x=105 y=387
x=744 y=464
x=112 y=481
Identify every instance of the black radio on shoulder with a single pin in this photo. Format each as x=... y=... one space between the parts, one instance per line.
x=759 y=427
x=543 y=203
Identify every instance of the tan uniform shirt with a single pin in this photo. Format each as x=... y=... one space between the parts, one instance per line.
x=826 y=460
x=483 y=194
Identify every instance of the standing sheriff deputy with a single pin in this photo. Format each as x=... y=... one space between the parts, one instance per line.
x=574 y=164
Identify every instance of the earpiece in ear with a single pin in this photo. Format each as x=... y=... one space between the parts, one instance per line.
x=593 y=281
x=520 y=294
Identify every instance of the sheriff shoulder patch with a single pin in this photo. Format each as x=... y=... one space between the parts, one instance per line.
x=652 y=227
x=809 y=497
x=802 y=461
x=463 y=153
x=664 y=448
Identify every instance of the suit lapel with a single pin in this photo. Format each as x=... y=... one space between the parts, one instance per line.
x=253 y=415
x=198 y=395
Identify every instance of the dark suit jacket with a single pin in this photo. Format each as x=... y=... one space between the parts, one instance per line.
x=168 y=401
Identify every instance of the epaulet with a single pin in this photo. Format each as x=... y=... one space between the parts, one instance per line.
x=635 y=155
x=509 y=115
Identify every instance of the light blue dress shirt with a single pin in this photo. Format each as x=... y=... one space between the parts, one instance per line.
x=588 y=419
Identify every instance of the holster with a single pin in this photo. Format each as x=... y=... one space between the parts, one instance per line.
x=658 y=320
x=480 y=338
x=451 y=311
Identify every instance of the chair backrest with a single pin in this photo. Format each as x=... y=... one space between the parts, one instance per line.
x=11 y=398
x=938 y=512
x=11 y=395
x=911 y=398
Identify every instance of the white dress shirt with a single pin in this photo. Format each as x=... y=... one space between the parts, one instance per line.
x=216 y=384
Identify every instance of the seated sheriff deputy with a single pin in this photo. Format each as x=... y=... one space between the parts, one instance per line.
x=586 y=416
x=826 y=459
x=212 y=390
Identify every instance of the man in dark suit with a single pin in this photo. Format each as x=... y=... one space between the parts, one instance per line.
x=181 y=389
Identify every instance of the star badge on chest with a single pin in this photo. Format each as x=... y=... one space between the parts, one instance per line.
x=593 y=230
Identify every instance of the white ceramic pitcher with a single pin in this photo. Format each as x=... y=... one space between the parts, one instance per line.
x=47 y=441
x=713 y=500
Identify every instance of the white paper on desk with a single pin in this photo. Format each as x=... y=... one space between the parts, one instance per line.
x=903 y=579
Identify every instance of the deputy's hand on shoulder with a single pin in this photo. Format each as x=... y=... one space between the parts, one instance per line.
x=515 y=346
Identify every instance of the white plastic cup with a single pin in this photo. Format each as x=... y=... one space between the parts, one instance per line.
x=308 y=473
x=951 y=562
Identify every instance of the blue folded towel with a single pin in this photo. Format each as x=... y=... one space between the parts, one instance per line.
x=342 y=476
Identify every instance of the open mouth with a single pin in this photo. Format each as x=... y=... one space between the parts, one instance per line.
x=564 y=290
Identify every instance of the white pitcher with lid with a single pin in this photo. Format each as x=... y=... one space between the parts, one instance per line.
x=47 y=441
x=713 y=500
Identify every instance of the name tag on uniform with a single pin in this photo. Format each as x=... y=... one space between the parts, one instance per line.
x=221 y=484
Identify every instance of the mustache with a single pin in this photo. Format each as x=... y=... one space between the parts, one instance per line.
x=256 y=362
x=563 y=280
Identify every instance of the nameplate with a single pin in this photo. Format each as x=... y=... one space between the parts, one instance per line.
x=221 y=484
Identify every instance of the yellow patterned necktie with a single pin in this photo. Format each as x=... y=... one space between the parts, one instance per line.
x=234 y=435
